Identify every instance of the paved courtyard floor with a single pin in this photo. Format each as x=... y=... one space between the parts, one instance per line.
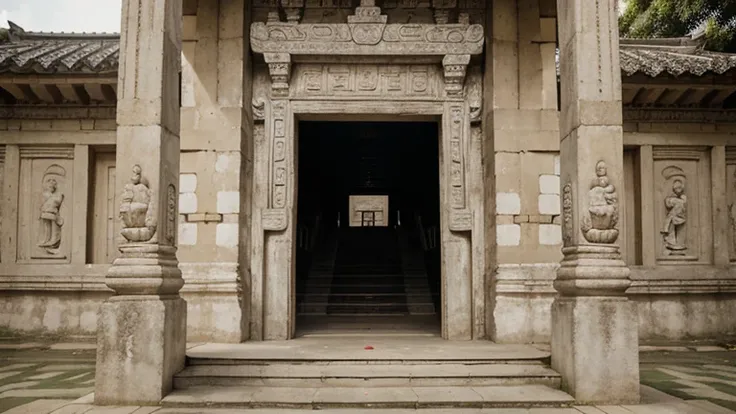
x=58 y=378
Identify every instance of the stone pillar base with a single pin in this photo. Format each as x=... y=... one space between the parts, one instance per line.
x=141 y=344
x=595 y=348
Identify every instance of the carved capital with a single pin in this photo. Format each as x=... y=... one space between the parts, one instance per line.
x=293 y=10
x=279 y=67
x=259 y=108
x=274 y=219
x=442 y=10
x=456 y=67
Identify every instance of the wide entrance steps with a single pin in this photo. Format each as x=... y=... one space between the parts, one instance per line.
x=368 y=277
x=311 y=373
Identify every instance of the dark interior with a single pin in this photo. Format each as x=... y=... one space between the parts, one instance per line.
x=368 y=278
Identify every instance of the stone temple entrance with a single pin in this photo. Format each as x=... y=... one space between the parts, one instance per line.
x=368 y=219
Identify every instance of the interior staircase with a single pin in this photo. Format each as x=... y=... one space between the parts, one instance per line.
x=372 y=271
x=324 y=373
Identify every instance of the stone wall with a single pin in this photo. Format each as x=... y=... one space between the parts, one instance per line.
x=523 y=122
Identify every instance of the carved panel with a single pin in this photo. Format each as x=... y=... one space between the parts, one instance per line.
x=2 y=185
x=682 y=205
x=600 y=224
x=375 y=205
x=138 y=208
x=731 y=198
x=567 y=218
x=45 y=205
x=457 y=125
x=280 y=160
x=378 y=81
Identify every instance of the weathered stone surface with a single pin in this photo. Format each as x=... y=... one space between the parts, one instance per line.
x=141 y=345
x=592 y=349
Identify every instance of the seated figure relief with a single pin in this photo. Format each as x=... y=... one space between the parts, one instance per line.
x=136 y=210
x=600 y=225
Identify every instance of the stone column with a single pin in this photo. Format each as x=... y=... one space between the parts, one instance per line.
x=594 y=325
x=142 y=328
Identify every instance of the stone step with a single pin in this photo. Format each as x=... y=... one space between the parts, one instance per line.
x=316 y=398
x=366 y=375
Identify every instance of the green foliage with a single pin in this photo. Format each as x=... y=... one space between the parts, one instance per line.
x=4 y=36
x=674 y=18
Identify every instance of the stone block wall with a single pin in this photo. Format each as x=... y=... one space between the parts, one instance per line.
x=523 y=122
x=54 y=250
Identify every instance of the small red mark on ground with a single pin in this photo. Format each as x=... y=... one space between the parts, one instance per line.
x=368 y=348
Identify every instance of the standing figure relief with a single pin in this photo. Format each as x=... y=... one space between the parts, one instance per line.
x=136 y=209
x=51 y=220
x=673 y=228
x=600 y=226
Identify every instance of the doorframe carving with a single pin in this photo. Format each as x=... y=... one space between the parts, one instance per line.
x=278 y=111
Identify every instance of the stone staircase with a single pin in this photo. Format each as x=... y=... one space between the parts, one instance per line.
x=414 y=373
x=370 y=274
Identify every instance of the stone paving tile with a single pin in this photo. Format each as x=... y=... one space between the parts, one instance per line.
x=69 y=393
x=23 y=346
x=73 y=409
x=45 y=375
x=15 y=367
x=38 y=407
x=8 y=374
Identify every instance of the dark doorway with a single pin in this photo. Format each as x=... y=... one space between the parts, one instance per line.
x=368 y=252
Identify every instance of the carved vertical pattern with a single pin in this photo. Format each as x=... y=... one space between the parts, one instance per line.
x=279 y=167
x=567 y=219
x=457 y=167
x=171 y=214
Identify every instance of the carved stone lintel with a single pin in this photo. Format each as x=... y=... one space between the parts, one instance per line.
x=455 y=67
x=343 y=40
x=442 y=10
x=293 y=10
x=274 y=219
x=279 y=67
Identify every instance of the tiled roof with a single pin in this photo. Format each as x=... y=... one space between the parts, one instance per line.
x=47 y=53
x=675 y=56
x=43 y=53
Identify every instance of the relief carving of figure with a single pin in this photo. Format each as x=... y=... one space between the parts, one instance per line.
x=673 y=229
x=601 y=224
x=567 y=215
x=51 y=220
x=136 y=209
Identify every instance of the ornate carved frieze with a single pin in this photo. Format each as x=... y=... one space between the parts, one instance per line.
x=456 y=67
x=379 y=81
x=279 y=67
x=340 y=40
x=601 y=223
x=673 y=229
x=137 y=209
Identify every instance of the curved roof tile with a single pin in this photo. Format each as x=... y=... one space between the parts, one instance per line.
x=46 y=53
